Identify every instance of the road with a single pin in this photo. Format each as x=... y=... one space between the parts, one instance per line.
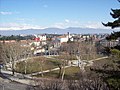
x=10 y=85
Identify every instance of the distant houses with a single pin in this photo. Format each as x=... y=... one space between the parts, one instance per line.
x=50 y=43
x=39 y=40
x=111 y=43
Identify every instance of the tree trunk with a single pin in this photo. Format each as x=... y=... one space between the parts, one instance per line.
x=41 y=71
x=13 y=71
x=13 y=67
x=63 y=71
x=59 y=72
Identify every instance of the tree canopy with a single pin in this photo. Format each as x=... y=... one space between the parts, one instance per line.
x=116 y=15
x=116 y=23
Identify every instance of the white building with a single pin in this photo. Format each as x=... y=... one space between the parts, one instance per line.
x=64 y=38
x=42 y=37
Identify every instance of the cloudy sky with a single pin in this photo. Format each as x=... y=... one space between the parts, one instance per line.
x=39 y=14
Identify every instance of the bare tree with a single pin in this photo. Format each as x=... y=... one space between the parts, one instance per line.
x=41 y=60
x=13 y=52
x=47 y=84
x=58 y=63
x=61 y=61
x=65 y=60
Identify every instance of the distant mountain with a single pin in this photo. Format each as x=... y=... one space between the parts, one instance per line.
x=55 y=30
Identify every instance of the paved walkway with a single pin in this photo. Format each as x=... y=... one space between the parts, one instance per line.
x=25 y=79
x=75 y=63
x=29 y=75
x=17 y=77
x=28 y=79
x=99 y=58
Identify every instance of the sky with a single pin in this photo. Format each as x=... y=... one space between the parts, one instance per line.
x=40 y=14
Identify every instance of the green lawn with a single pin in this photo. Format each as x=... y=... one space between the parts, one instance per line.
x=69 y=57
x=33 y=65
x=71 y=73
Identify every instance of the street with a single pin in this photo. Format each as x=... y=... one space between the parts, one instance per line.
x=14 y=86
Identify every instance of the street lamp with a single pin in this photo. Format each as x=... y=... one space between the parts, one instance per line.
x=25 y=66
x=78 y=57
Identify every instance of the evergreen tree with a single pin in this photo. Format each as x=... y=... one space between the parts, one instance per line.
x=116 y=15
x=116 y=23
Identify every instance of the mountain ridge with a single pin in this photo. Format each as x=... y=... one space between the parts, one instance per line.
x=75 y=30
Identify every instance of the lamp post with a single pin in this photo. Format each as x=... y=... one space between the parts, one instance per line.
x=78 y=57
x=25 y=66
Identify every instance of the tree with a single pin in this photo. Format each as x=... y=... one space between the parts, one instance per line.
x=113 y=79
x=115 y=35
x=13 y=52
x=63 y=57
x=41 y=61
x=59 y=64
x=116 y=15
x=116 y=23
x=1 y=53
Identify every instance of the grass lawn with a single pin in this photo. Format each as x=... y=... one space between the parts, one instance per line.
x=69 y=57
x=71 y=73
x=33 y=65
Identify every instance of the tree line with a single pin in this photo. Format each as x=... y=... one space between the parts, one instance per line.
x=16 y=37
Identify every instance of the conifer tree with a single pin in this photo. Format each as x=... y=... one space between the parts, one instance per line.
x=116 y=15
x=116 y=23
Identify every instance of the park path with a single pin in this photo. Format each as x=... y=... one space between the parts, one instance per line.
x=29 y=75
x=28 y=79
x=99 y=58
x=25 y=79
x=90 y=63
x=9 y=77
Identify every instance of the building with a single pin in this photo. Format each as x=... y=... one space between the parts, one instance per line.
x=64 y=38
x=107 y=43
x=40 y=38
